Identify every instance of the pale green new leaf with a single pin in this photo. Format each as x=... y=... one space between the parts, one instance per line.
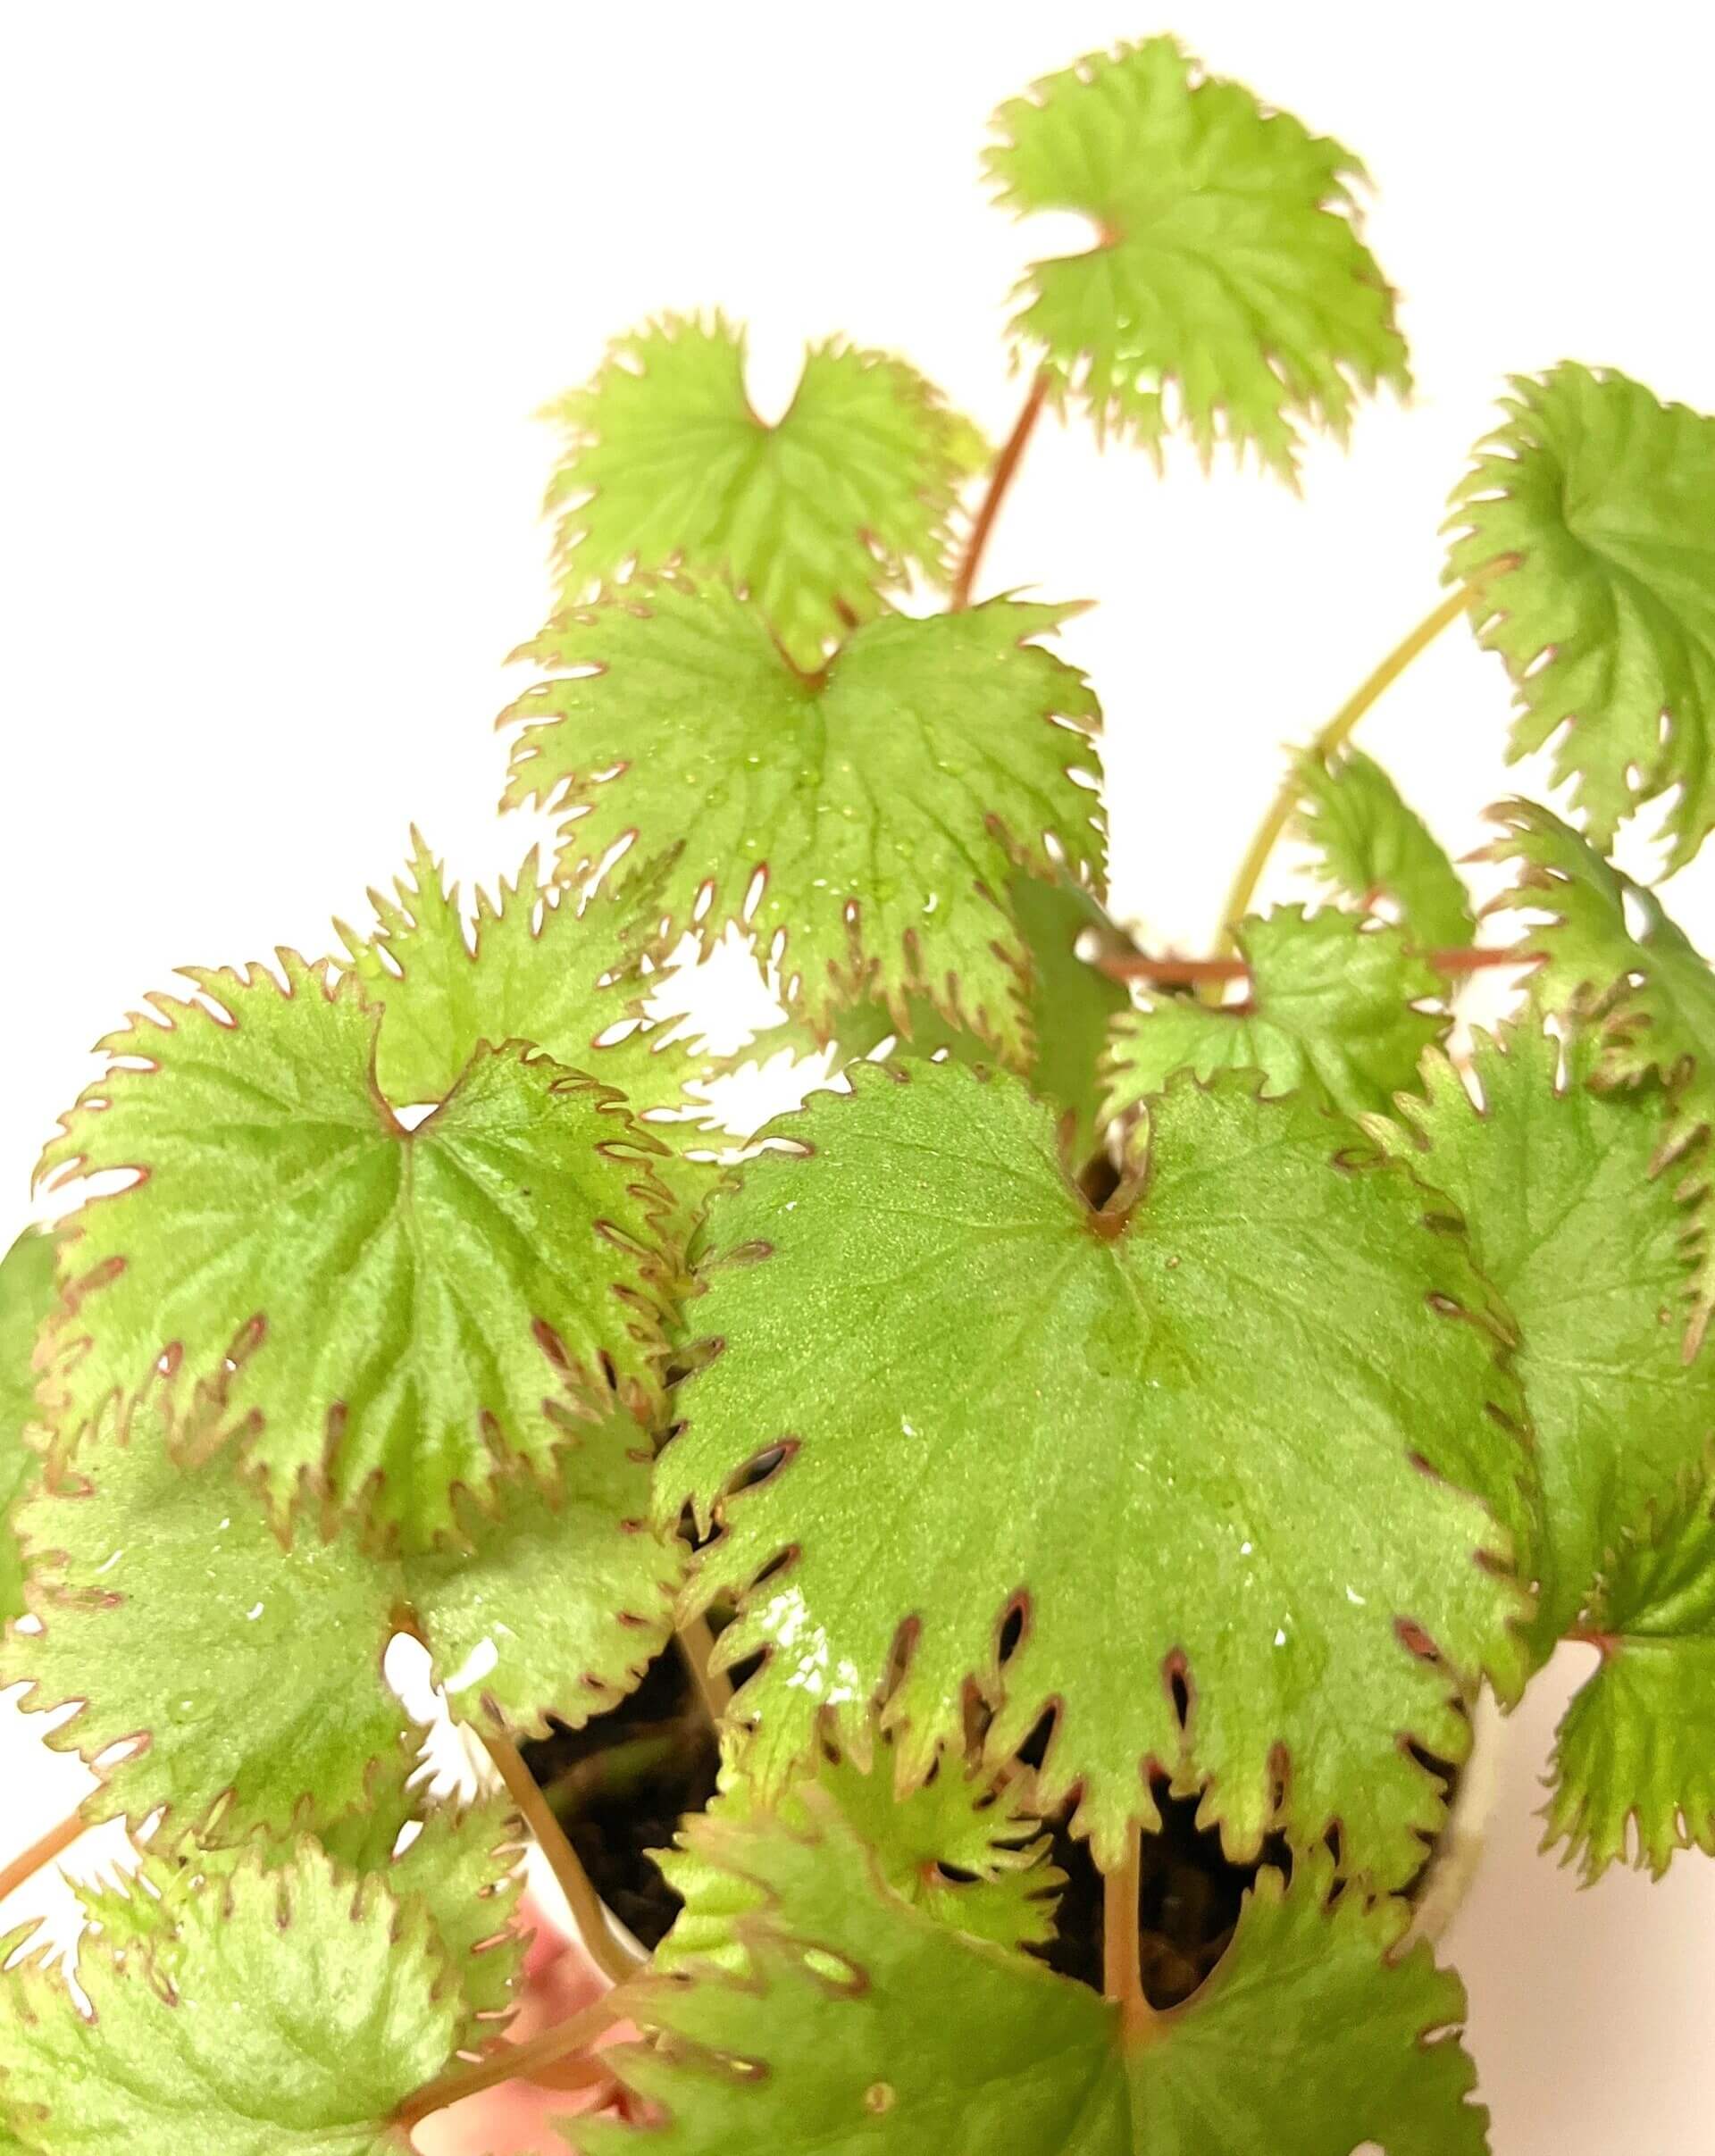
x=1333 y=1010
x=960 y=1848
x=865 y=821
x=869 y=2027
x=1570 y=1220
x=304 y=2006
x=1228 y=291
x=533 y=967
x=1613 y=961
x=666 y=462
x=28 y=1294
x=383 y=1314
x=1179 y=1435
x=1638 y=1746
x=1586 y=531
x=261 y=1693
x=1372 y=846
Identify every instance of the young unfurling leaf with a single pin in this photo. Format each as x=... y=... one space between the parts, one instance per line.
x=961 y=1848
x=666 y=463
x=1572 y=1220
x=289 y=2013
x=381 y=1313
x=861 y=821
x=260 y=1699
x=1227 y=290
x=861 y=2023
x=1637 y=1745
x=28 y=1294
x=1583 y=527
x=1371 y=846
x=1335 y=1008
x=1156 y=1431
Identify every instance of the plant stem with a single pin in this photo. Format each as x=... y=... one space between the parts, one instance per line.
x=613 y=1959
x=1001 y=479
x=1333 y=735
x=510 y=2062
x=53 y=1843
x=697 y=1644
x=1122 y=1978
x=1192 y=973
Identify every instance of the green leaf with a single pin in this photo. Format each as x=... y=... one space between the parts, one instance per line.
x=666 y=462
x=290 y=2015
x=1585 y=529
x=1585 y=1240
x=466 y=1868
x=961 y=1848
x=1072 y=1006
x=460 y=1864
x=1331 y=1012
x=863 y=821
x=532 y=968
x=28 y=1294
x=1372 y=846
x=865 y=2025
x=1179 y=1435
x=1638 y=1741
x=172 y=1611
x=1228 y=290
x=382 y=1314
x=1615 y=962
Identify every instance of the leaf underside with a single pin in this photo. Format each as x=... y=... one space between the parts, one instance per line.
x=383 y=1314
x=1334 y=1010
x=1126 y=1435
x=855 y=821
x=1228 y=292
x=1583 y=527
x=664 y=464
x=862 y=2023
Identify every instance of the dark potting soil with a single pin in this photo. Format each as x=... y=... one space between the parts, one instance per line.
x=621 y=1785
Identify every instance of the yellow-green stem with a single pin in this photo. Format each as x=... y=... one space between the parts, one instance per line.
x=1122 y=1971
x=696 y=1645
x=511 y=2062
x=1333 y=736
x=615 y=1962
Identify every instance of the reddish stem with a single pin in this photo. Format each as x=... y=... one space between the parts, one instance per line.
x=1189 y=973
x=1000 y=479
x=53 y=1843
x=513 y=2061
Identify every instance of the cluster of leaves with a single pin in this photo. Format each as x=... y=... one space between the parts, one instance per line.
x=1088 y=1401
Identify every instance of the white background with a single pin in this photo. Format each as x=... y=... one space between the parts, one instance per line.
x=282 y=287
